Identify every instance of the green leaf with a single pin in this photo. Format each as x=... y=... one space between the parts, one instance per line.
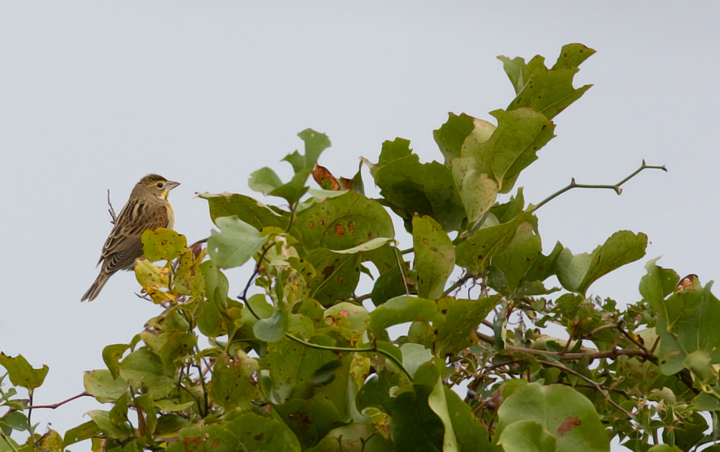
x=452 y=134
x=547 y=91
x=105 y=387
x=462 y=318
x=315 y=144
x=112 y=355
x=232 y=385
x=348 y=319
x=247 y=209
x=353 y=438
x=475 y=252
x=577 y=273
x=205 y=438
x=561 y=411
x=338 y=272
x=170 y=406
x=434 y=257
x=471 y=435
x=521 y=264
x=163 y=244
x=310 y=419
x=689 y=433
x=167 y=335
x=664 y=448
x=272 y=329
x=403 y=309
x=236 y=244
x=526 y=436
x=292 y=367
x=686 y=324
x=393 y=150
x=15 y=420
x=414 y=356
x=210 y=320
x=260 y=434
x=657 y=283
x=145 y=403
x=409 y=187
x=82 y=432
x=413 y=425
x=110 y=428
x=188 y=279
x=343 y=222
x=144 y=366
x=511 y=148
x=21 y=372
x=438 y=403
x=264 y=180
x=477 y=190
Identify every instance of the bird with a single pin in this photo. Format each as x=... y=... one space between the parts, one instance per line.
x=147 y=208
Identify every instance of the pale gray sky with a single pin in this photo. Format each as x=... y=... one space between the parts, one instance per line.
x=94 y=95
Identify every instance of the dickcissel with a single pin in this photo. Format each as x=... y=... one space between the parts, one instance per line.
x=147 y=208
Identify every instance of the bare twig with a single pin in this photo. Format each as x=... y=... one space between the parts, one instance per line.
x=600 y=328
x=592 y=383
x=591 y=355
x=402 y=271
x=615 y=187
x=633 y=340
x=111 y=210
x=56 y=405
x=458 y=284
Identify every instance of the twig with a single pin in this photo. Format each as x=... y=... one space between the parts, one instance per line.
x=111 y=210
x=458 y=284
x=55 y=405
x=591 y=382
x=633 y=340
x=362 y=298
x=373 y=349
x=243 y=297
x=402 y=272
x=615 y=187
x=569 y=356
x=603 y=327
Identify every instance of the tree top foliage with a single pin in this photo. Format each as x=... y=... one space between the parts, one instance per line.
x=298 y=360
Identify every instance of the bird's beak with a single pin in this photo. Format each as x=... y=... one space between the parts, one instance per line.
x=171 y=185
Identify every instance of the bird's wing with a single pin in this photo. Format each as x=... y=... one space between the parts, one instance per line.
x=124 y=244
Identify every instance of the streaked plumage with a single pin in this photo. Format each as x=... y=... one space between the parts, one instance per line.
x=147 y=208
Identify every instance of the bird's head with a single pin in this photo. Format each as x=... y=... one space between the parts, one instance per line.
x=155 y=185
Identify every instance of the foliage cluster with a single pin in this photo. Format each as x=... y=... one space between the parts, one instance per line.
x=303 y=365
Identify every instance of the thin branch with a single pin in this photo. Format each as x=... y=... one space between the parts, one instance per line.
x=402 y=271
x=591 y=382
x=458 y=284
x=569 y=356
x=55 y=405
x=256 y=271
x=600 y=328
x=362 y=298
x=615 y=187
x=111 y=210
x=353 y=350
x=633 y=340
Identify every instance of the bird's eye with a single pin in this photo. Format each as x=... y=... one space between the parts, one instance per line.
x=159 y=185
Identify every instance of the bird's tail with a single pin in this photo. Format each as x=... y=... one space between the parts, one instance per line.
x=96 y=287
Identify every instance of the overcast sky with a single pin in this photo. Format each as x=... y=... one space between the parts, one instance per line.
x=94 y=95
